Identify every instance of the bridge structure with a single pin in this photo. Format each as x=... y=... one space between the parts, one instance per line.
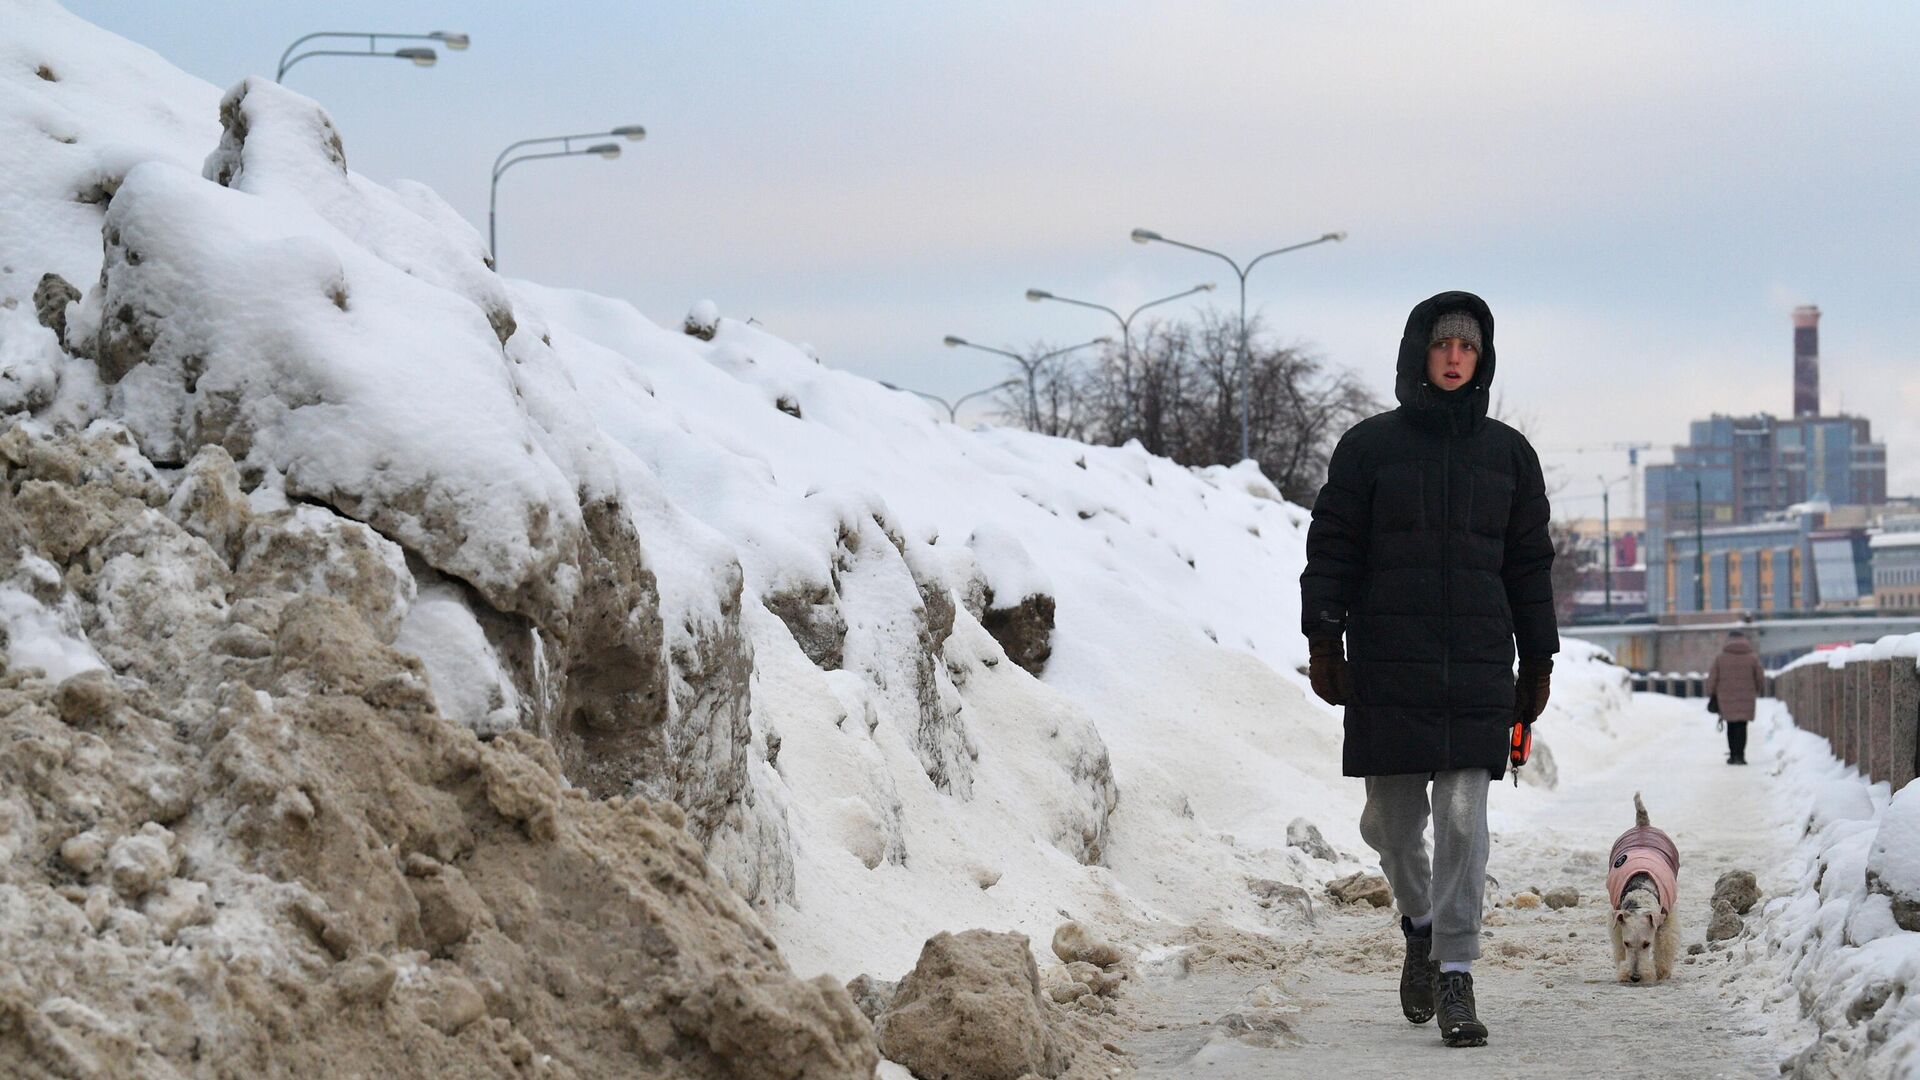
x=1648 y=648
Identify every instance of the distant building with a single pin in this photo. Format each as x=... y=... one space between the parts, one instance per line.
x=1762 y=567
x=1590 y=544
x=1894 y=515
x=1842 y=568
x=1738 y=471
x=1795 y=561
x=1748 y=470
x=1753 y=466
x=1896 y=564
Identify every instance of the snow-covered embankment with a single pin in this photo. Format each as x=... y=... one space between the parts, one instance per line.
x=1847 y=941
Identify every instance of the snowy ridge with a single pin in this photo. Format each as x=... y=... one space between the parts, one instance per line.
x=1886 y=648
x=716 y=571
x=1847 y=962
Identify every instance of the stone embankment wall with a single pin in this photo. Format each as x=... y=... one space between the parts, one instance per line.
x=1867 y=710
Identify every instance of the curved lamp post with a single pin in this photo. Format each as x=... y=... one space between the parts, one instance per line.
x=1125 y=321
x=607 y=150
x=1148 y=236
x=1031 y=367
x=420 y=55
x=952 y=407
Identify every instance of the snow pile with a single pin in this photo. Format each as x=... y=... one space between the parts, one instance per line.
x=1888 y=647
x=1577 y=731
x=243 y=834
x=1893 y=865
x=1847 y=940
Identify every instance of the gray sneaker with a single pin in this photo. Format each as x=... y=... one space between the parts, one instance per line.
x=1417 y=973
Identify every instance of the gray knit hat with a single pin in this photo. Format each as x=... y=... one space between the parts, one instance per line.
x=1456 y=324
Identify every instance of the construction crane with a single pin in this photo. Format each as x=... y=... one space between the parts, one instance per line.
x=1632 y=450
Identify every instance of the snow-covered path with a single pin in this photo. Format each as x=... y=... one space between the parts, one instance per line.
x=1545 y=984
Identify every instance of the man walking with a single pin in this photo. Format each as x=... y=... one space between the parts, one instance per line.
x=1737 y=679
x=1429 y=555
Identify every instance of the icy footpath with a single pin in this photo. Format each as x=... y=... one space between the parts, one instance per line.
x=1845 y=943
x=1318 y=997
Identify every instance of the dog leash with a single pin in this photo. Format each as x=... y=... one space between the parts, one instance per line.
x=1520 y=749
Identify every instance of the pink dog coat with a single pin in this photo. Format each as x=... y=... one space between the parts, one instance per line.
x=1644 y=849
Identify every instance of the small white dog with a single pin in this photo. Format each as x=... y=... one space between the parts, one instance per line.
x=1643 y=875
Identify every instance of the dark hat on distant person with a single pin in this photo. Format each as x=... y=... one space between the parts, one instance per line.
x=1456 y=324
x=1736 y=633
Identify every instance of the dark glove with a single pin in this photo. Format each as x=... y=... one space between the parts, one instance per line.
x=1531 y=689
x=1327 y=670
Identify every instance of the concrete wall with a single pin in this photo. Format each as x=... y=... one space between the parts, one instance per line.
x=1868 y=711
x=1687 y=684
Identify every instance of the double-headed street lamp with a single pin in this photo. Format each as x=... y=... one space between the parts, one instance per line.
x=606 y=150
x=1030 y=366
x=952 y=407
x=1125 y=321
x=420 y=55
x=1148 y=236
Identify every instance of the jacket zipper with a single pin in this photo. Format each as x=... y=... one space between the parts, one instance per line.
x=1446 y=591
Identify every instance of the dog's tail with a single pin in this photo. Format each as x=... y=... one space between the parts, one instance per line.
x=1639 y=810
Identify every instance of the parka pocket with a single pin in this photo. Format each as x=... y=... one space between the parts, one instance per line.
x=1492 y=502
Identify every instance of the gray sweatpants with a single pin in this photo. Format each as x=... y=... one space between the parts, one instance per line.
x=1454 y=885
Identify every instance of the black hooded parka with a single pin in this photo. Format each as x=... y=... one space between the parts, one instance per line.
x=1429 y=551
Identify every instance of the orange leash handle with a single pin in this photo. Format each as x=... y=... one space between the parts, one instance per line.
x=1520 y=749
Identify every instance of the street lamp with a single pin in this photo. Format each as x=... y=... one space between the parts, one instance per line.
x=953 y=407
x=1699 y=548
x=1125 y=321
x=420 y=55
x=1031 y=367
x=605 y=150
x=1148 y=236
x=1606 y=537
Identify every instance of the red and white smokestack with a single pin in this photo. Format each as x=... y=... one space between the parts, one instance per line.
x=1806 y=361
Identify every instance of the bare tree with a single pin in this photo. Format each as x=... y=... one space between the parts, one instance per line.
x=1058 y=385
x=1566 y=543
x=1566 y=567
x=1177 y=392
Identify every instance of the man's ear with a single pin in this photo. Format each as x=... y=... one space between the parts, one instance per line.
x=1658 y=917
x=1620 y=917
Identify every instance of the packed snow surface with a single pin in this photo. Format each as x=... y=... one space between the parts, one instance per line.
x=1843 y=942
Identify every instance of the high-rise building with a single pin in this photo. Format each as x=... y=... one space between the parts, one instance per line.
x=1746 y=470
x=1750 y=470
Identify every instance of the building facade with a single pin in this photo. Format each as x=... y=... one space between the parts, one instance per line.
x=1896 y=565
x=1763 y=567
x=1748 y=470
x=1593 y=540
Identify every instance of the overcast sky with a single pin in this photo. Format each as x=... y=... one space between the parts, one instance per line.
x=1642 y=192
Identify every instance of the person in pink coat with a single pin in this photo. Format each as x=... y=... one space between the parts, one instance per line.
x=1738 y=680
